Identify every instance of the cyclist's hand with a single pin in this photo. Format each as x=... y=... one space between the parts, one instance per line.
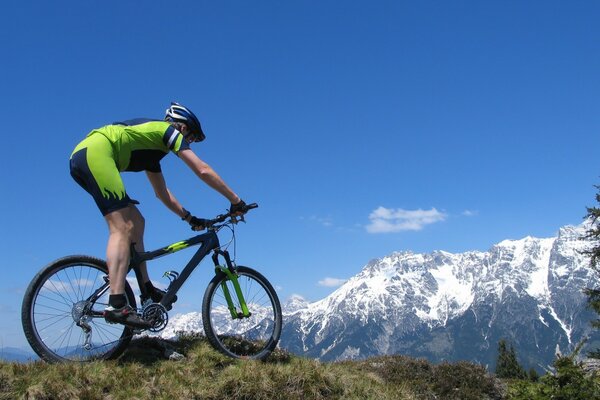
x=198 y=224
x=238 y=209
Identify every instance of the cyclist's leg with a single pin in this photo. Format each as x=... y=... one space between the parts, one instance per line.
x=93 y=167
x=120 y=227
x=139 y=224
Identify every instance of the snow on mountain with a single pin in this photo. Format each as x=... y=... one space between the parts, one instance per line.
x=293 y=304
x=256 y=325
x=190 y=322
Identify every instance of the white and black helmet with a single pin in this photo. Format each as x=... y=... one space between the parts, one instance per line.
x=178 y=113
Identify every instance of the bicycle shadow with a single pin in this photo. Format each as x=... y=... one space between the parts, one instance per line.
x=149 y=350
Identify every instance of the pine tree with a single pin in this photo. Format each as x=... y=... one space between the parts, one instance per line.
x=533 y=375
x=593 y=236
x=507 y=365
x=502 y=361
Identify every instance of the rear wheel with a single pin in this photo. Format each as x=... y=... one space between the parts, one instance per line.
x=255 y=336
x=62 y=312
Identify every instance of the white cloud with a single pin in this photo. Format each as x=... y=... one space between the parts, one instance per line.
x=331 y=282
x=387 y=220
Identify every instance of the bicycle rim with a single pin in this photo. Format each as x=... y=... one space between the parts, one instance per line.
x=252 y=337
x=58 y=304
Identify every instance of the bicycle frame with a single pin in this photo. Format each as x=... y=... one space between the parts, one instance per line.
x=71 y=294
x=208 y=242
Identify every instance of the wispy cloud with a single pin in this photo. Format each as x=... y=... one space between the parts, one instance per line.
x=388 y=220
x=324 y=221
x=470 y=213
x=332 y=282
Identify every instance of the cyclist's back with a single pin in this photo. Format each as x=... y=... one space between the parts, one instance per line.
x=139 y=144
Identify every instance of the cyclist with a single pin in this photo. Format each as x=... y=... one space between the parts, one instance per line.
x=139 y=145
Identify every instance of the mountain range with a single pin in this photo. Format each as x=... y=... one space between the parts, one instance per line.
x=17 y=355
x=445 y=306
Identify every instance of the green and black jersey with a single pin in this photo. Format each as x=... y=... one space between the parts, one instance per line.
x=140 y=144
x=134 y=145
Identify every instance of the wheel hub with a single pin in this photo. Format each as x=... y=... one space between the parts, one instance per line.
x=78 y=310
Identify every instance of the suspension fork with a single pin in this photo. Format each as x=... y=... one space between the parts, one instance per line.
x=232 y=276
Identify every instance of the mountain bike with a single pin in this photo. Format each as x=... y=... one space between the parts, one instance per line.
x=62 y=312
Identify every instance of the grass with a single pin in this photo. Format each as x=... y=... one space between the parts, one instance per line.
x=144 y=373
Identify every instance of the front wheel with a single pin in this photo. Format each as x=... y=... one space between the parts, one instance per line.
x=252 y=336
x=62 y=312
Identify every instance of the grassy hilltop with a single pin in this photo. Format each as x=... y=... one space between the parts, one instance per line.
x=144 y=372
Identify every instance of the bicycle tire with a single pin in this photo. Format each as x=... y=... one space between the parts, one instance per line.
x=56 y=299
x=254 y=337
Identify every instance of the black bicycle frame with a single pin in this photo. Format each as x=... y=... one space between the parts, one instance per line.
x=208 y=241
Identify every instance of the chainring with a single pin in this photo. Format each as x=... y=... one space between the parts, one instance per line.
x=157 y=314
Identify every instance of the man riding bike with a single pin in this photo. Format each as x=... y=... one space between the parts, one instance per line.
x=139 y=145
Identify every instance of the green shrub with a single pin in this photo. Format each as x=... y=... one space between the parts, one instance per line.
x=464 y=381
x=569 y=382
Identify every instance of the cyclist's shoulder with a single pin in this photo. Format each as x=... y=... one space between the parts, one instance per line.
x=143 y=124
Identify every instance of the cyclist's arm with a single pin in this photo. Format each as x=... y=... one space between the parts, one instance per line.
x=208 y=175
x=157 y=180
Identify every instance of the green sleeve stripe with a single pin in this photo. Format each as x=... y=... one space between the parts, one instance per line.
x=178 y=143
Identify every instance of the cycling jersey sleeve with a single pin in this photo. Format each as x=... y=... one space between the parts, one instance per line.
x=174 y=140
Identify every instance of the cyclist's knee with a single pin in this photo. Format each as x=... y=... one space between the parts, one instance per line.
x=127 y=228
x=121 y=223
x=139 y=223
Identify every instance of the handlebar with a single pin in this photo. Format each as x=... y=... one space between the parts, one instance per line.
x=234 y=218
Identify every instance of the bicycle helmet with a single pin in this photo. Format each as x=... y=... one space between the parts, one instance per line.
x=178 y=113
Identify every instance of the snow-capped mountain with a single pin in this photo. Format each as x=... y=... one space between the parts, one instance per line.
x=293 y=304
x=445 y=306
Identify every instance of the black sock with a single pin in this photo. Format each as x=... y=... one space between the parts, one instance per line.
x=117 y=300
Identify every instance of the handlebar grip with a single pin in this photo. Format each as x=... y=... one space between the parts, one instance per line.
x=222 y=217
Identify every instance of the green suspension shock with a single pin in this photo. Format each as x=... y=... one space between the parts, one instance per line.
x=238 y=291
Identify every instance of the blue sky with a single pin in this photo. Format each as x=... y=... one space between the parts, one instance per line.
x=361 y=128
